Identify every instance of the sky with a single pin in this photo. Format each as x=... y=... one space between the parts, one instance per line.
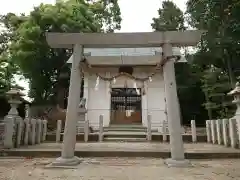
x=136 y=14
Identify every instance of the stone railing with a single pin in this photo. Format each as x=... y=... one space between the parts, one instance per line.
x=191 y=132
x=18 y=131
x=223 y=132
x=86 y=130
x=164 y=131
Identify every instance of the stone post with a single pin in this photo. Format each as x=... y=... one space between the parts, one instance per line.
x=175 y=131
x=164 y=131
x=33 y=131
x=58 y=131
x=149 y=130
x=86 y=130
x=236 y=93
x=82 y=115
x=100 y=128
x=232 y=132
x=44 y=130
x=238 y=129
x=27 y=125
x=9 y=132
x=194 y=131
x=208 y=130
x=27 y=129
x=39 y=131
x=19 y=123
x=213 y=131
x=219 y=132
x=69 y=138
x=225 y=132
x=14 y=96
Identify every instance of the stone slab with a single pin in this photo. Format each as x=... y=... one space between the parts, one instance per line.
x=156 y=137
x=125 y=149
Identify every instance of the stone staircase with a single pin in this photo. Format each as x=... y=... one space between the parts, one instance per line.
x=125 y=133
x=121 y=133
x=128 y=127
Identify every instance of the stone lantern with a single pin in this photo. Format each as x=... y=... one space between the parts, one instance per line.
x=13 y=122
x=236 y=94
x=14 y=96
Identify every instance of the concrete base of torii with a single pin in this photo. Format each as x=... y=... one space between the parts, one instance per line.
x=177 y=163
x=68 y=162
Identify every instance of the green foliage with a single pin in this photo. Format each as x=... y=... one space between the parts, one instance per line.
x=39 y=63
x=215 y=84
x=7 y=67
x=170 y=18
x=106 y=12
x=219 y=50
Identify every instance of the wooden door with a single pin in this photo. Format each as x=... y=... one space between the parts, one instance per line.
x=126 y=106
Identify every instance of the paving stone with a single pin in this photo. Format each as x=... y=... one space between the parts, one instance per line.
x=119 y=169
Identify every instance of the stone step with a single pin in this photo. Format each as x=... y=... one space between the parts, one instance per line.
x=123 y=136
x=117 y=149
x=124 y=139
x=127 y=126
x=124 y=130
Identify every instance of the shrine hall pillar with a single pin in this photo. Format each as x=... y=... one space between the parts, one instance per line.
x=174 y=125
x=69 y=139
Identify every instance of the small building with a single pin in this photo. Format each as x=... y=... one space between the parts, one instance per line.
x=125 y=85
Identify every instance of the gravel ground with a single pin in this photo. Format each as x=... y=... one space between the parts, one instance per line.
x=119 y=169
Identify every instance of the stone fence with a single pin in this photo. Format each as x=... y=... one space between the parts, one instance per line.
x=149 y=133
x=224 y=132
x=16 y=131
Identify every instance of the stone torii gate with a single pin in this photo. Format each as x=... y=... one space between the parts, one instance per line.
x=166 y=40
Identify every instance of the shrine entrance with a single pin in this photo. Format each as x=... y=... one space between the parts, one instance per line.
x=126 y=106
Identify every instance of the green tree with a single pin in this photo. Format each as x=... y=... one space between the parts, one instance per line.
x=7 y=67
x=219 y=50
x=221 y=42
x=171 y=18
x=215 y=85
x=39 y=63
